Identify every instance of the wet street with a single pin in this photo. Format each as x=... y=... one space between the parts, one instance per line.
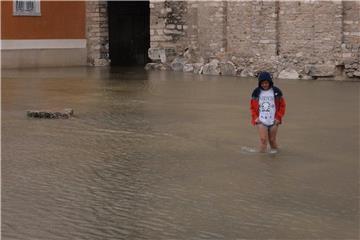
x=158 y=155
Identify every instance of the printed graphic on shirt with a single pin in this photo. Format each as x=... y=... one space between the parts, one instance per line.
x=267 y=107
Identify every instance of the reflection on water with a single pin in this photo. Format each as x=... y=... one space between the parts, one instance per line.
x=159 y=155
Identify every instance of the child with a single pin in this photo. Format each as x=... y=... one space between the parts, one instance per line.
x=267 y=108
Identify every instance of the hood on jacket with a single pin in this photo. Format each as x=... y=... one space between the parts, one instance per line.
x=265 y=76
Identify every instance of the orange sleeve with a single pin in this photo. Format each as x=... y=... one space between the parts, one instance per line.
x=254 y=108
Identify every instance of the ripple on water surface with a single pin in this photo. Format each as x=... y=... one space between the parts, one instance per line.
x=160 y=155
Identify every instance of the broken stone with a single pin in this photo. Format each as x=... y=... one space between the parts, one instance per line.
x=350 y=74
x=246 y=73
x=306 y=77
x=156 y=66
x=356 y=73
x=227 y=68
x=69 y=111
x=164 y=67
x=150 y=66
x=198 y=67
x=66 y=113
x=188 y=68
x=100 y=62
x=288 y=74
x=155 y=53
x=178 y=64
x=160 y=66
x=212 y=68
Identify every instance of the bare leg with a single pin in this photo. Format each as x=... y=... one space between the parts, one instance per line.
x=272 y=136
x=264 y=137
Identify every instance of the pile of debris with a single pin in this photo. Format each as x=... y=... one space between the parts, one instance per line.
x=66 y=113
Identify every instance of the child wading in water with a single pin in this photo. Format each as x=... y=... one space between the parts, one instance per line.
x=267 y=109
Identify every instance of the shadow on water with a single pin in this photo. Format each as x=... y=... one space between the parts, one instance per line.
x=159 y=155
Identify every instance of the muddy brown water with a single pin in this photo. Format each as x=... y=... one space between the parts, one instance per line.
x=157 y=155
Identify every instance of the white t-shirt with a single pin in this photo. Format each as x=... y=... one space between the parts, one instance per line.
x=267 y=107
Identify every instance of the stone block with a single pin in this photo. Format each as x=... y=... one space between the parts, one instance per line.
x=173 y=32
x=356 y=73
x=320 y=70
x=288 y=74
x=162 y=54
x=170 y=26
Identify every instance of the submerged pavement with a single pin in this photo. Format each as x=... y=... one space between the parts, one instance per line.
x=158 y=155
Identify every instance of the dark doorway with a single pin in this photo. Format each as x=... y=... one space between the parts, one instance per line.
x=129 y=32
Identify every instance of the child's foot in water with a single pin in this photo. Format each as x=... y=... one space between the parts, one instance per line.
x=273 y=151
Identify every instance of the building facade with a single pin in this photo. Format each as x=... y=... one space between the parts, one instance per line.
x=292 y=39
x=46 y=33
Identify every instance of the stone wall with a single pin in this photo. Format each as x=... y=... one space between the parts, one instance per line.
x=302 y=39
x=310 y=36
x=211 y=40
x=351 y=38
x=167 y=26
x=251 y=34
x=97 y=33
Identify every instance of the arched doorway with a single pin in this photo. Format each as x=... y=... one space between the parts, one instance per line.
x=129 y=32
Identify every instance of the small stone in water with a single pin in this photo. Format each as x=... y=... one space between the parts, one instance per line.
x=50 y=114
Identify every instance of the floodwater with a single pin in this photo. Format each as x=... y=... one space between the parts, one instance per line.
x=158 y=155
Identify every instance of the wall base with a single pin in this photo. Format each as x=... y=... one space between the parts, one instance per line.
x=28 y=58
